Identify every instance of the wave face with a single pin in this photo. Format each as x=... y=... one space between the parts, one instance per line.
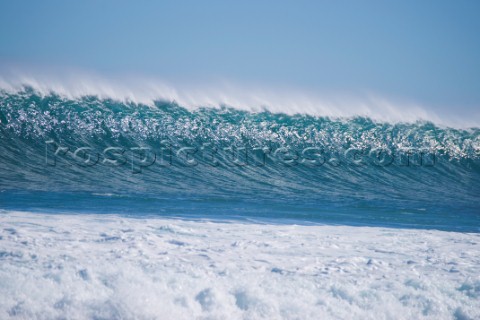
x=99 y=155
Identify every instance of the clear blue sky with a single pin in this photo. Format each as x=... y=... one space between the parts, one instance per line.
x=426 y=51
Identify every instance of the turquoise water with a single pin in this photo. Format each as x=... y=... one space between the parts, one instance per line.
x=93 y=155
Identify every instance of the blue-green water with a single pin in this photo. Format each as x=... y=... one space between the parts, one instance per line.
x=91 y=155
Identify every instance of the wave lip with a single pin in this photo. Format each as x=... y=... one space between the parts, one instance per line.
x=247 y=98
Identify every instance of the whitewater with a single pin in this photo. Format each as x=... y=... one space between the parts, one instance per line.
x=118 y=203
x=112 y=267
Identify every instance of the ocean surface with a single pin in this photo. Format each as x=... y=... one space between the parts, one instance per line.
x=222 y=212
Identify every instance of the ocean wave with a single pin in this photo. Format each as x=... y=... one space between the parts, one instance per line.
x=165 y=152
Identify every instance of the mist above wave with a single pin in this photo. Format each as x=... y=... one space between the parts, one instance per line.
x=251 y=98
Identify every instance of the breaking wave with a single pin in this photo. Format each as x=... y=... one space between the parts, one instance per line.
x=162 y=157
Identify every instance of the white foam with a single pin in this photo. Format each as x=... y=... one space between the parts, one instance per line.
x=251 y=98
x=112 y=267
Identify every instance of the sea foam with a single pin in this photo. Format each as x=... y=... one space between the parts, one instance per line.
x=114 y=267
